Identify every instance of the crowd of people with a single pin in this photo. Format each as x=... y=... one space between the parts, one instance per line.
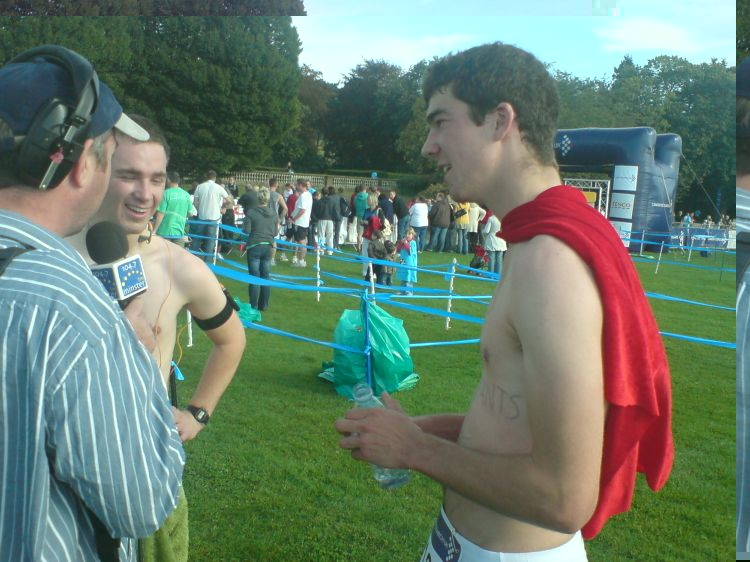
x=573 y=398
x=690 y=219
x=372 y=221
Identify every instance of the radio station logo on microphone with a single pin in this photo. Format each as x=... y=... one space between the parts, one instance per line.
x=122 y=279
x=131 y=276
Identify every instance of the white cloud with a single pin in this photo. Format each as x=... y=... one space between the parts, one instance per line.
x=331 y=48
x=629 y=35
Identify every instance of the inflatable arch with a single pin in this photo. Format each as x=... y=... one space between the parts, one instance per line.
x=644 y=167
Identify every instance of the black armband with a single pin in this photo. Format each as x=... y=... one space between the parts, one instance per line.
x=220 y=318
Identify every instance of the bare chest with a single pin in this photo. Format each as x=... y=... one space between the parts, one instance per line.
x=497 y=420
x=163 y=302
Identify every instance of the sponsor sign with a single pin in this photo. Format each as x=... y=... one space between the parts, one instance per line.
x=625 y=178
x=621 y=206
x=623 y=229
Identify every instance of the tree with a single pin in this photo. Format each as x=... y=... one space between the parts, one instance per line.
x=702 y=113
x=305 y=146
x=635 y=97
x=743 y=29
x=584 y=103
x=152 y=8
x=366 y=116
x=223 y=89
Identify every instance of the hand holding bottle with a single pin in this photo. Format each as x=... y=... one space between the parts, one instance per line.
x=378 y=435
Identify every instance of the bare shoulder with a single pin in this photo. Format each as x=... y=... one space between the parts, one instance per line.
x=551 y=293
x=191 y=276
x=546 y=264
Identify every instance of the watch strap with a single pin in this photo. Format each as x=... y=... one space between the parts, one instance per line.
x=200 y=414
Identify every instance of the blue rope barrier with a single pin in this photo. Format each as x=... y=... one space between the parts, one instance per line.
x=717 y=343
x=438 y=312
x=693 y=265
x=686 y=301
x=277 y=332
x=393 y=299
x=250 y=279
x=443 y=343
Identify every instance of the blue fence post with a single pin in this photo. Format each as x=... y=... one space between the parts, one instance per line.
x=367 y=349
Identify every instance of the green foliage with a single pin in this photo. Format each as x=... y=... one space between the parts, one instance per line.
x=229 y=94
x=223 y=89
x=412 y=137
x=670 y=95
x=152 y=8
x=584 y=103
x=304 y=146
x=743 y=29
x=267 y=481
x=700 y=101
x=409 y=185
x=367 y=115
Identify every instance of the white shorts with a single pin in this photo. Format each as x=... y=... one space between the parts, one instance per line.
x=447 y=545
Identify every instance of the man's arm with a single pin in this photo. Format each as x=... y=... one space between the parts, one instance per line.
x=283 y=209
x=205 y=300
x=556 y=313
x=158 y=217
x=445 y=426
x=299 y=212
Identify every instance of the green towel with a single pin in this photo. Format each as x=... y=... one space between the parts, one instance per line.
x=170 y=542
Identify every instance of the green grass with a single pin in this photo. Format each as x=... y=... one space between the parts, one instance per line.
x=267 y=481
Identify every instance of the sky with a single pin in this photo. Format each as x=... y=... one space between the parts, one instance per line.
x=568 y=36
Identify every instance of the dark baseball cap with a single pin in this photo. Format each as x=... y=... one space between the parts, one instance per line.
x=28 y=86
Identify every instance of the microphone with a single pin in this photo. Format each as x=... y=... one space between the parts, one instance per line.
x=122 y=276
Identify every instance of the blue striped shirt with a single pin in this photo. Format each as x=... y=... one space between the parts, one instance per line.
x=743 y=391
x=84 y=416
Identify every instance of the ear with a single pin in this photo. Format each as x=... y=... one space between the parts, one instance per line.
x=79 y=173
x=505 y=120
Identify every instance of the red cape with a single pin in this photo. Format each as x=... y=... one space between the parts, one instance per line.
x=637 y=432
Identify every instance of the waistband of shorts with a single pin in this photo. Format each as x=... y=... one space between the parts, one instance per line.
x=571 y=550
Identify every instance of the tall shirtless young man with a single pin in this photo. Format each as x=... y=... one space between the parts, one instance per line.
x=176 y=280
x=521 y=469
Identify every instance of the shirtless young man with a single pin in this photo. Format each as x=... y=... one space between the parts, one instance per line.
x=176 y=278
x=521 y=469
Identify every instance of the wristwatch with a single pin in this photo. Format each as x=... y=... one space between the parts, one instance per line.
x=200 y=415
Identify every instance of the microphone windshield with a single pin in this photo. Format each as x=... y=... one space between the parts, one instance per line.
x=106 y=242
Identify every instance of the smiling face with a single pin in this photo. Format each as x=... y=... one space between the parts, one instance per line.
x=464 y=151
x=136 y=186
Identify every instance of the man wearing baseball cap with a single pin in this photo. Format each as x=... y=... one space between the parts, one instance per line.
x=743 y=310
x=90 y=457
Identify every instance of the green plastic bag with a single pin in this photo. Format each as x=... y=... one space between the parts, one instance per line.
x=392 y=364
x=247 y=312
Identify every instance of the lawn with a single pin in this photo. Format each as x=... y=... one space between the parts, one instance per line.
x=267 y=481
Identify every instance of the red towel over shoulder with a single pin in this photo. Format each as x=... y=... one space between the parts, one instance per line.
x=637 y=432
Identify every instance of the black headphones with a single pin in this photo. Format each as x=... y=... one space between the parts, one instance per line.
x=54 y=141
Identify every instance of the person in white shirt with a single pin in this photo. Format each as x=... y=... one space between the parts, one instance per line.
x=418 y=221
x=476 y=214
x=209 y=199
x=301 y=219
x=494 y=246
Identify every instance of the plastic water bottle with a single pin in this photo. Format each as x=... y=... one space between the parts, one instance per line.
x=387 y=478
